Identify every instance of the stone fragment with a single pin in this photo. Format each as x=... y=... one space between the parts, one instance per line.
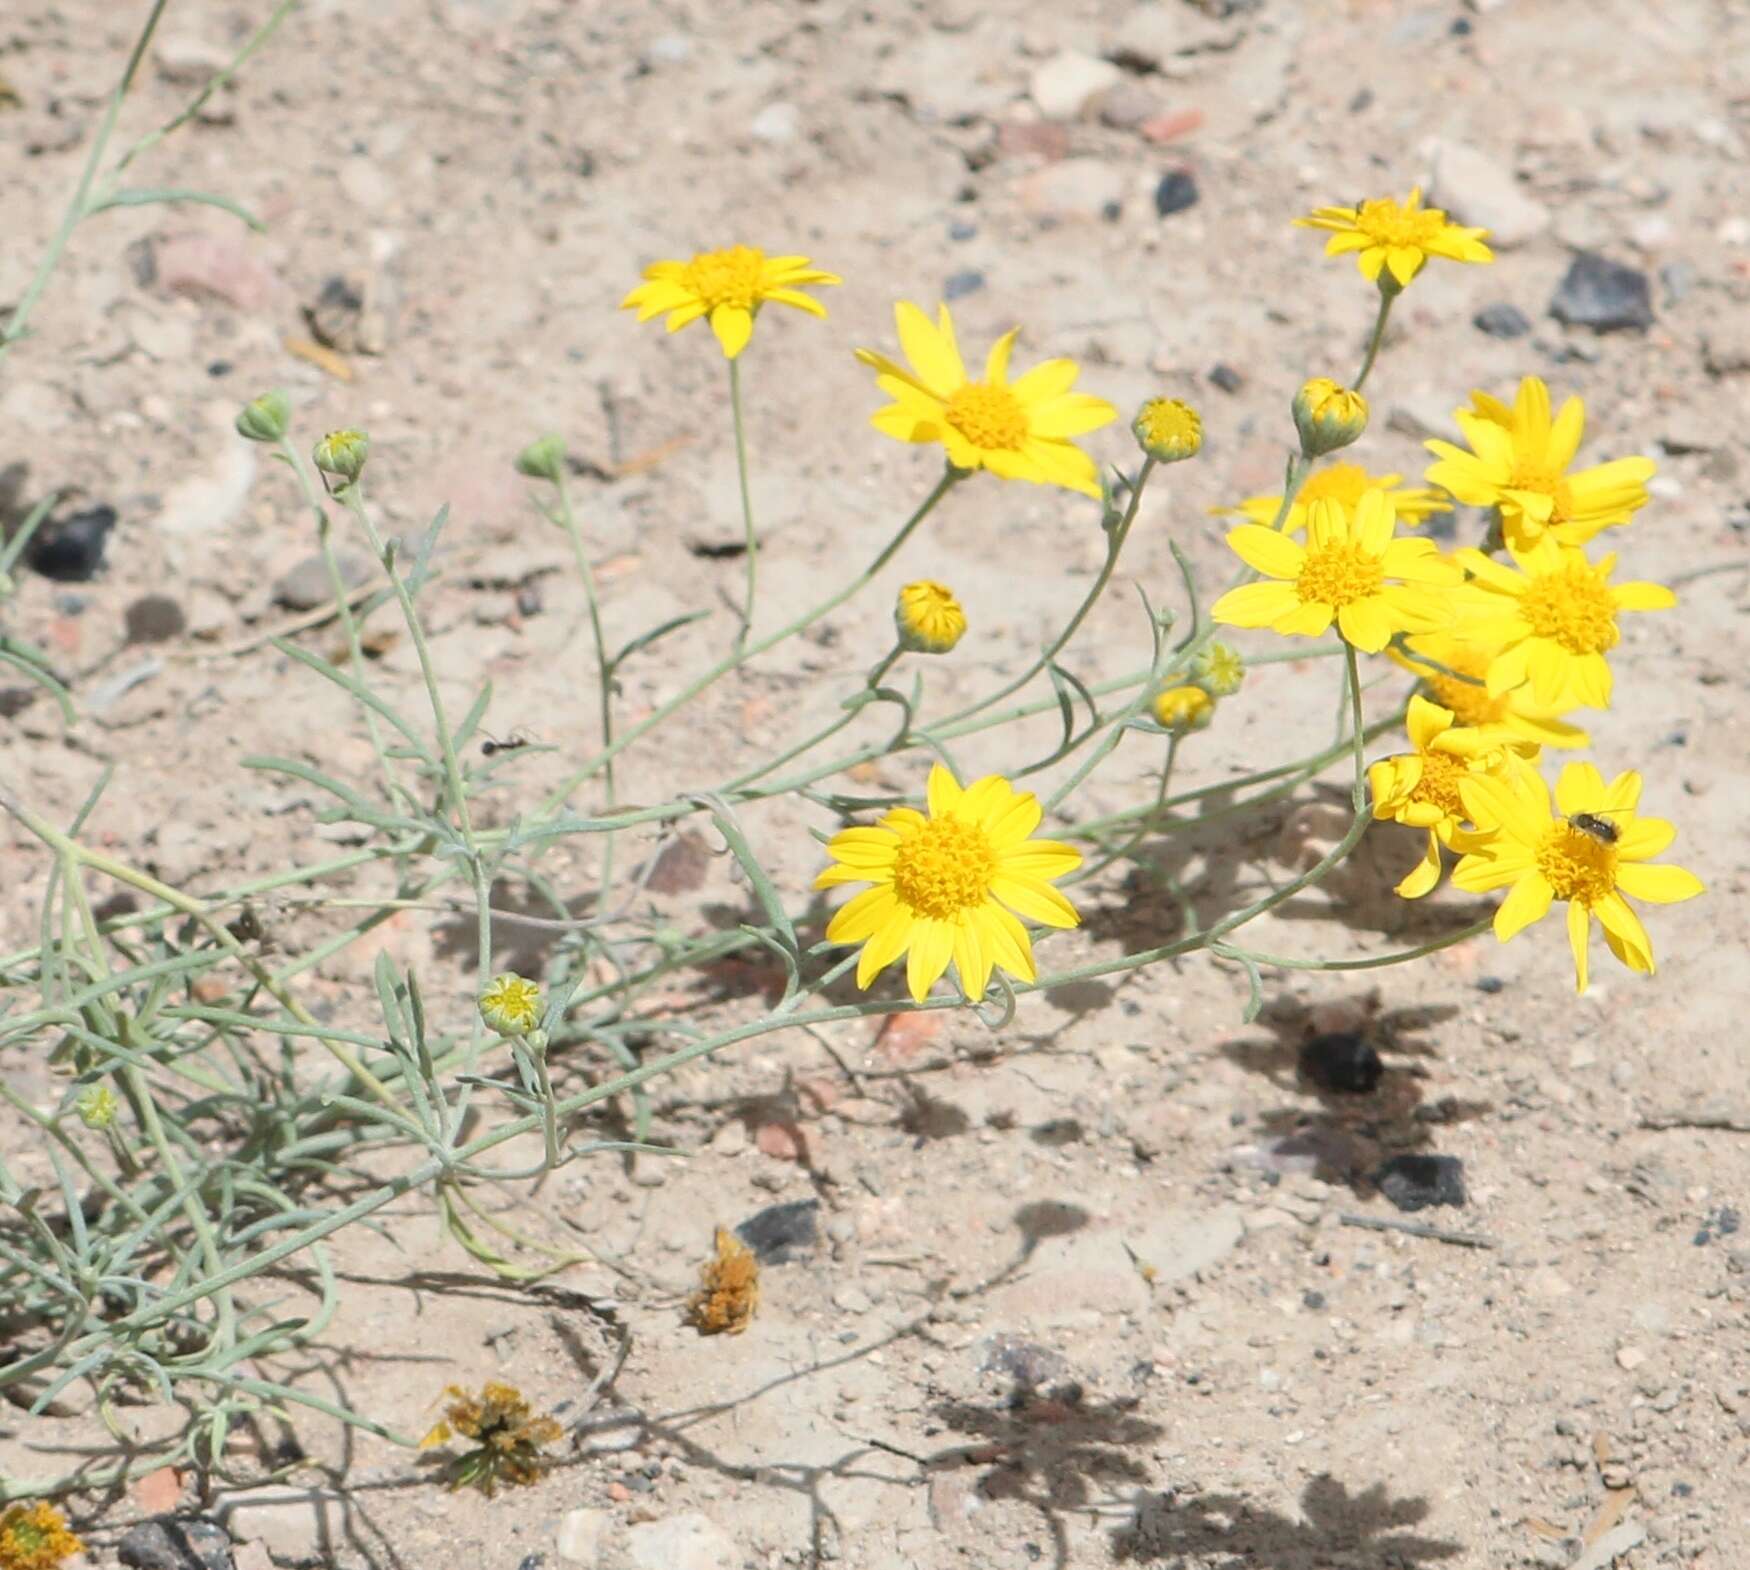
x=581 y=1534
x=307 y=585
x=217 y=264
x=70 y=549
x=1414 y=1182
x=1176 y=191
x=1476 y=190
x=1501 y=320
x=1067 y=86
x=1604 y=295
x=1075 y=190
x=688 y=1541
x=781 y=1233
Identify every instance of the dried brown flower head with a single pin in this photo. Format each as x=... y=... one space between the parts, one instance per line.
x=508 y=1437
x=35 y=1537
x=731 y=1289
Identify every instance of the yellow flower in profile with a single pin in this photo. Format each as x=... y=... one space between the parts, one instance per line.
x=1343 y=482
x=729 y=287
x=1455 y=669
x=947 y=887
x=1183 y=709
x=1397 y=240
x=1019 y=430
x=1219 y=669
x=1420 y=788
x=35 y=1537
x=1350 y=571
x=1593 y=854
x=1519 y=461
x=929 y=618
x=1554 y=618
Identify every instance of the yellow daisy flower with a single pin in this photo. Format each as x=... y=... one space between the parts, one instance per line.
x=928 y=617
x=1019 y=430
x=35 y=1537
x=1593 y=854
x=729 y=287
x=1449 y=658
x=1343 y=482
x=1397 y=240
x=1519 y=460
x=947 y=886
x=1554 y=618
x=1350 y=571
x=1420 y=788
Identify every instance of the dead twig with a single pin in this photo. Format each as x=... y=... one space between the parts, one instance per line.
x=1706 y=1117
x=1418 y=1229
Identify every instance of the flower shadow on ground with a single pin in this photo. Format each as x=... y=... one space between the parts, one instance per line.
x=1228 y=1532
x=1349 y=1133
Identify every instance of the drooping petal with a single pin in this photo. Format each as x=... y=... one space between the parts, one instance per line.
x=1426 y=873
x=932 y=946
x=1366 y=624
x=1618 y=918
x=971 y=958
x=1579 y=930
x=733 y=325
x=885 y=946
x=1528 y=901
x=1006 y=939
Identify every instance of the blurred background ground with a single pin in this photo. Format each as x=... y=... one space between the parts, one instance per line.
x=965 y=1365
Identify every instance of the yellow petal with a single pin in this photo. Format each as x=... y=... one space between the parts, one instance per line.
x=862 y=916
x=1658 y=885
x=935 y=358
x=1036 y=901
x=885 y=946
x=932 y=946
x=944 y=793
x=1579 y=930
x=1529 y=901
x=1273 y=554
x=733 y=325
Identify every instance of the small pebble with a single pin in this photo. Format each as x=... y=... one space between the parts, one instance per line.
x=961 y=230
x=781 y=1233
x=1226 y=378
x=307 y=585
x=1604 y=295
x=70 y=550
x=155 y=618
x=1342 y=1060
x=1501 y=320
x=961 y=284
x=1416 y=1182
x=1177 y=191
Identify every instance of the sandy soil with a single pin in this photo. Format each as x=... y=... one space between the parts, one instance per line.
x=969 y=1366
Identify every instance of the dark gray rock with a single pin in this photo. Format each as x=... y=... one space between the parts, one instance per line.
x=155 y=618
x=70 y=550
x=1177 y=191
x=1604 y=295
x=1416 y=1182
x=961 y=284
x=1501 y=320
x=1226 y=378
x=780 y=1233
x=172 y=1543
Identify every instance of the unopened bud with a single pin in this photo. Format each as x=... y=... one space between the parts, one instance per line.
x=1182 y=710
x=543 y=459
x=1168 y=430
x=265 y=419
x=342 y=453
x=1327 y=416
x=511 y=1004
x=928 y=617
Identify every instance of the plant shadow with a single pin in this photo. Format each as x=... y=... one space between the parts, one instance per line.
x=1365 y=1530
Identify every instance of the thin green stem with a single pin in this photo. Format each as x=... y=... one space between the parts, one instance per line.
x=851 y=711
x=1357 y=725
x=603 y=663
x=1114 y=546
x=753 y=545
x=1386 y=299
x=740 y=656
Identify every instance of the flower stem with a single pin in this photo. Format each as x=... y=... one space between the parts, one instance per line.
x=1114 y=545
x=1386 y=297
x=604 y=667
x=740 y=655
x=1357 y=725
x=753 y=544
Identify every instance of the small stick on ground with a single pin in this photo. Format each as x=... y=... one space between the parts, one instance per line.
x=1729 y=1122
x=1418 y=1229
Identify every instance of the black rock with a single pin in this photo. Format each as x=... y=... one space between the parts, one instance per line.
x=1226 y=378
x=1501 y=320
x=1176 y=192
x=1342 y=1060
x=70 y=550
x=959 y=285
x=1604 y=295
x=155 y=618
x=1416 y=1182
x=780 y=1233
x=169 y=1543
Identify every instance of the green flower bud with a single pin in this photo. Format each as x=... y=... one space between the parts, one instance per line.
x=342 y=453
x=1327 y=416
x=543 y=459
x=1168 y=430
x=267 y=418
x=1219 y=670
x=96 y=1106
x=511 y=1004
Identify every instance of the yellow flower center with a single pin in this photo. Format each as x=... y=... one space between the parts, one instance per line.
x=729 y=277
x=1438 y=786
x=945 y=868
x=1577 y=865
x=1386 y=223
x=991 y=418
x=1341 y=482
x=1543 y=479
x=1574 y=608
x=1470 y=704
x=1338 y=574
